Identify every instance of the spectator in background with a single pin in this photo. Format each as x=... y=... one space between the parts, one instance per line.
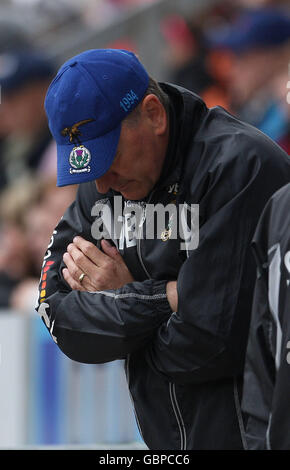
x=260 y=3
x=185 y=53
x=260 y=43
x=25 y=149
x=15 y=262
x=29 y=210
x=281 y=89
x=24 y=78
x=12 y=37
x=39 y=219
x=189 y=60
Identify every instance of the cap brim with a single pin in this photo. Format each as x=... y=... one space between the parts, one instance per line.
x=88 y=160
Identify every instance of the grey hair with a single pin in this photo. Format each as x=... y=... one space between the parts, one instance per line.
x=154 y=89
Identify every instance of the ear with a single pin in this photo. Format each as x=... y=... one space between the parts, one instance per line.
x=154 y=111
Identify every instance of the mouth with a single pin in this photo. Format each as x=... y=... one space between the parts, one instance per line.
x=123 y=187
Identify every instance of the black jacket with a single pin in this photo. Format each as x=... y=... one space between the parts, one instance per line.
x=183 y=368
x=267 y=370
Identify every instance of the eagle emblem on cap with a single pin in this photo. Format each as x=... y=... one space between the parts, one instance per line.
x=74 y=131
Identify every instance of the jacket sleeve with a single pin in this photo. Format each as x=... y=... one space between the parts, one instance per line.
x=101 y=326
x=266 y=377
x=259 y=373
x=206 y=338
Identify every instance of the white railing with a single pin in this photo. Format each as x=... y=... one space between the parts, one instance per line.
x=46 y=399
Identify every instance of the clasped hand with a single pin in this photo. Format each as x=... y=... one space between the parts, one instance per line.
x=103 y=269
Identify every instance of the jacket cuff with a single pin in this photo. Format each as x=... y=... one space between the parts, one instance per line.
x=160 y=299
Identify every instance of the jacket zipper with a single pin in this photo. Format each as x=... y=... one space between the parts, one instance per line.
x=148 y=275
x=178 y=416
x=172 y=391
x=139 y=238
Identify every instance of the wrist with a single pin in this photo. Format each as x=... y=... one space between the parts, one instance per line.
x=171 y=292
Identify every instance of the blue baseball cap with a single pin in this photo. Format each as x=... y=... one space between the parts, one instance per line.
x=253 y=29
x=85 y=104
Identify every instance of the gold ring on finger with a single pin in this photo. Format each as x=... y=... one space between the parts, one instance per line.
x=81 y=277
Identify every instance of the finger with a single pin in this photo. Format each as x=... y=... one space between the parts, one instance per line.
x=71 y=281
x=117 y=260
x=81 y=261
x=84 y=286
x=74 y=270
x=78 y=263
x=109 y=249
x=90 y=250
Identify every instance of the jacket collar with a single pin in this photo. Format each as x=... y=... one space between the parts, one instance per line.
x=186 y=112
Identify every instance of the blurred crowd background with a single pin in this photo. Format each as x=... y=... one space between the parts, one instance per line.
x=233 y=54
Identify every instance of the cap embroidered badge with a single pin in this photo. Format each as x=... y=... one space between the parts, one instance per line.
x=85 y=104
x=80 y=156
x=79 y=159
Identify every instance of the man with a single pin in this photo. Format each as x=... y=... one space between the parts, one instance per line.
x=266 y=387
x=257 y=38
x=24 y=78
x=176 y=312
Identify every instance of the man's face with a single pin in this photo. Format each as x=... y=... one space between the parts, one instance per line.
x=140 y=155
x=250 y=72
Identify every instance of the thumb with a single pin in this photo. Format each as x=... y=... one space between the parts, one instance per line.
x=109 y=249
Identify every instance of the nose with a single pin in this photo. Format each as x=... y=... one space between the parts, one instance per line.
x=105 y=182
